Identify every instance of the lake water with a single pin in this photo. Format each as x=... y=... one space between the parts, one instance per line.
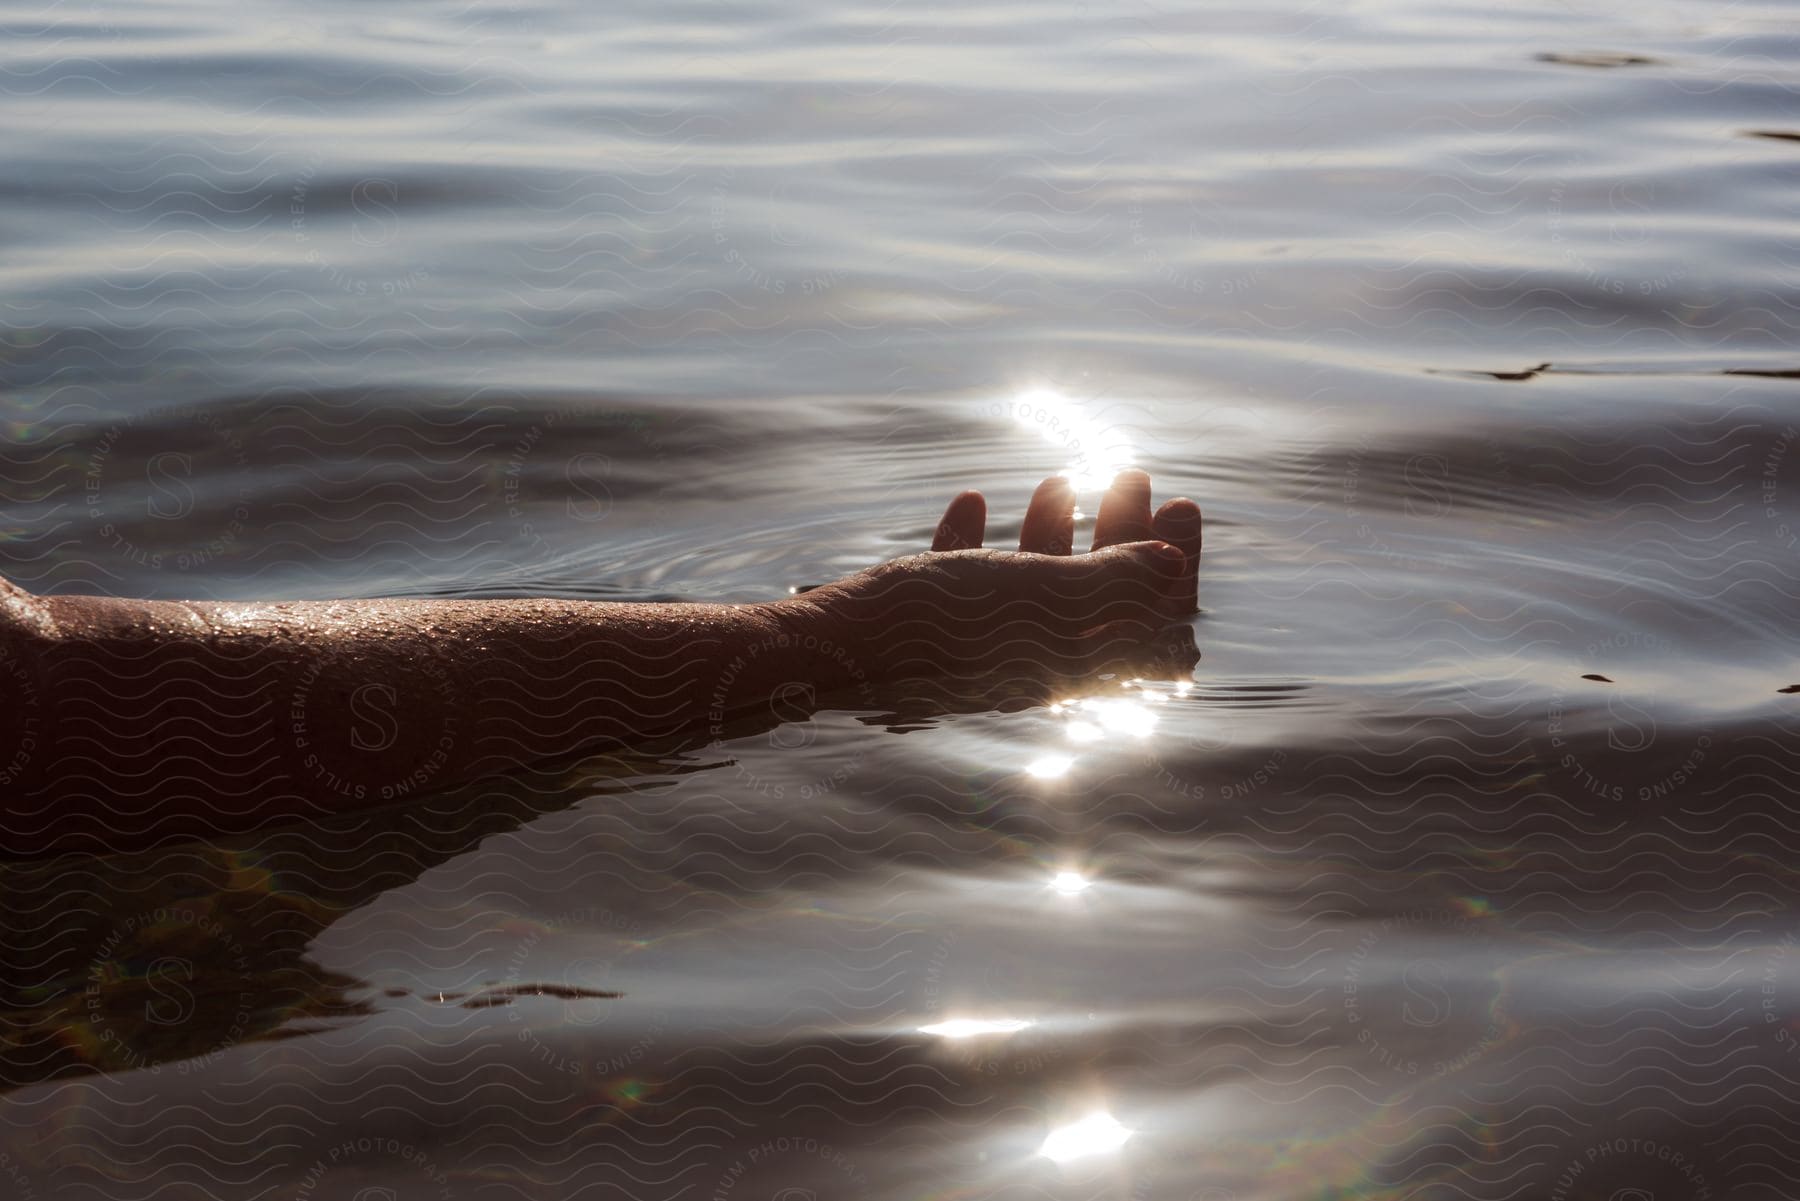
x=1471 y=327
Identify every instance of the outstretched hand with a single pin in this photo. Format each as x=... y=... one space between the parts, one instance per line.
x=1125 y=520
x=962 y=609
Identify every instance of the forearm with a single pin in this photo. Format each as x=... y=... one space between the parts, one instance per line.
x=164 y=717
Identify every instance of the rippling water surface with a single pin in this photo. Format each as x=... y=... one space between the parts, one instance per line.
x=1472 y=329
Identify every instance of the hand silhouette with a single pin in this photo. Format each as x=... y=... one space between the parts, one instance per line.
x=961 y=608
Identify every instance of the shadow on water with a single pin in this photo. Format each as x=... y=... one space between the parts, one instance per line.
x=178 y=953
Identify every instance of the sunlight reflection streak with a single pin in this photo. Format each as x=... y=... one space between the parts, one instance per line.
x=1098 y=451
x=1093 y=1135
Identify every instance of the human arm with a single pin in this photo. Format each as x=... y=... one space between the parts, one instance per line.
x=154 y=719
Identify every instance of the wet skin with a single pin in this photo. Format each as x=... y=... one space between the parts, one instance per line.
x=160 y=719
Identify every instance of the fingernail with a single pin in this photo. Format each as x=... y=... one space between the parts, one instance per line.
x=1168 y=556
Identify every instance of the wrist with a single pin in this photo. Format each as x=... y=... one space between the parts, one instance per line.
x=817 y=639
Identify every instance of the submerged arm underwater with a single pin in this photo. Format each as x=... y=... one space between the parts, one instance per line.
x=133 y=721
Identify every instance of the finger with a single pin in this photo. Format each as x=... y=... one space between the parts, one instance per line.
x=1178 y=523
x=1049 y=527
x=964 y=523
x=1124 y=511
x=1142 y=578
x=1125 y=583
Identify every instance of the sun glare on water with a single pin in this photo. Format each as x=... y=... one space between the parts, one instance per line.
x=1094 y=451
x=1095 y=1134
x=974 y=1027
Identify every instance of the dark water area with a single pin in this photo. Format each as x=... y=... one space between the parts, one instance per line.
x=1463 y=865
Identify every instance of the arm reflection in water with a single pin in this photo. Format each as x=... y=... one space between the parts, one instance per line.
x=150 y=720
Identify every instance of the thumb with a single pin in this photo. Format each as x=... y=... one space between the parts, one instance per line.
x=1132 y=580
x=1165 y=569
